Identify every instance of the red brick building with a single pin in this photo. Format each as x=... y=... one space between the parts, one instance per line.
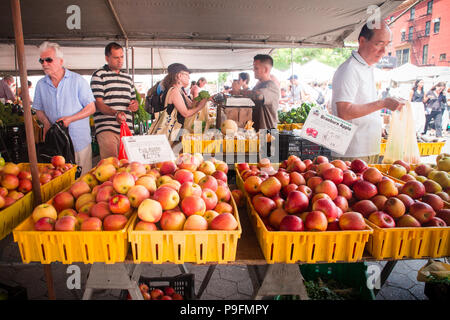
x=421 y=33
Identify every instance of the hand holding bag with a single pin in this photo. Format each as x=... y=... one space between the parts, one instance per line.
x=124 y=132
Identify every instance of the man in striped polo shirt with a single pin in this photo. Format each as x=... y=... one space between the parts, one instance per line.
x=115 y=100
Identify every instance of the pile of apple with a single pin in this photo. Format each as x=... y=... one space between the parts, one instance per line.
x=435 y=179
x=168 y=293
x=320 y=195
x=191 y=194
x=186 y=194
x=15 y=183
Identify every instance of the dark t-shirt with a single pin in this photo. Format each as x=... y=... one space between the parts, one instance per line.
x=265 y=112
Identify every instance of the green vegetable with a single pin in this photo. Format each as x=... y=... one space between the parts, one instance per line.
x=202 y=95
x=295 y=115
x=141 y=117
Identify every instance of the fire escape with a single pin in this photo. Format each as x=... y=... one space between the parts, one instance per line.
x=418 y=39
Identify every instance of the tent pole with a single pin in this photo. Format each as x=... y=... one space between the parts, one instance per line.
x=132 y=63
x=126 y=55
x=18 y=34
x=151 y=52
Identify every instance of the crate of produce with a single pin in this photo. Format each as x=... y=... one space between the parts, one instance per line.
x=409 y=243
x=70 y=246
x=425 y=148
x=291 y=144
x=183 y=284
x=162 y=246
x=305 y=246
x=351 y=275
x=11 y=216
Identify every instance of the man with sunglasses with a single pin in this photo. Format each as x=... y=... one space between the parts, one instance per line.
x=63 y=95
x=354 y=96
x=115 y=100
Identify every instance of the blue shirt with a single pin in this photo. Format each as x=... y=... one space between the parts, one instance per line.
x=71 y=96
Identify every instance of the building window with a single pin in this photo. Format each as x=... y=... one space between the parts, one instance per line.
x=403 y=35
x=443 y=57
x=429 y=7
x=413 y=13
x=410 y=33
x=427 y=28
x=437 y=25
x=405 y=56
x=425 y=54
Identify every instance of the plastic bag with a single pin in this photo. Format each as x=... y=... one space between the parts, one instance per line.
x=402 y=140
x=124 y=132
x=434 y=268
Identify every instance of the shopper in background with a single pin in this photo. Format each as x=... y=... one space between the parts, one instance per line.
x=298 y=95
x=417 y=93
x=434 y=108
x=6 y=92
x=355 y=98
x=63 y=95
x=115 y=101
x=244 y=80
x=199 y=86
x=416 y=96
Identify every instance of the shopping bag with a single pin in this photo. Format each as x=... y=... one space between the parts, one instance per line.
x=402 y=140
x=124 y=132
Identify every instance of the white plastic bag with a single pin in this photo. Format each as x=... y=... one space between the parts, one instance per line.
x=402 y=140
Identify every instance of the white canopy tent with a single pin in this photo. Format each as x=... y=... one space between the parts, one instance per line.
x=316 y=71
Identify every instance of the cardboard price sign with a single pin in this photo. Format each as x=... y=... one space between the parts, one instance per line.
x=148 y=149
x=328 y=130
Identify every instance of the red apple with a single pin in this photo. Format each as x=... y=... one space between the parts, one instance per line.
x=316 y=221
x=193 y=205
x=328 y=187
x=408 y=221
x=414 y=189
x=394 y=207
x=336 y=175
x=381 y=219
x=328 y=207
x=291 y=223
x=358 y=166
x=349 y=178
x=263 y=205
x=364 y=190
x=422 y=211
x=352 y=221
x=296 y=202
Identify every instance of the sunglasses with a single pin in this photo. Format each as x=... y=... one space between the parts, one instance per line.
x=48 y=60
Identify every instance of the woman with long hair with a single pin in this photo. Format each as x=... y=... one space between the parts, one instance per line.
x=434 y=109
x=417 y=94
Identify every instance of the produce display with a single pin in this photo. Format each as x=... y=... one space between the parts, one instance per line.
x=167 y=293
x=320 y=195
x=10 y=114
x=295 y=115
x=15 y=182
x=186 y=194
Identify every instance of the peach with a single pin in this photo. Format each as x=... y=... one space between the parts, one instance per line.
x=195 y=222
x=150 y=210
x=114 y=222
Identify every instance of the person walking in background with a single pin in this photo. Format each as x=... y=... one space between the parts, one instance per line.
x=63 y=95
x=244 y=79
x=433 y=108
x=416 y=96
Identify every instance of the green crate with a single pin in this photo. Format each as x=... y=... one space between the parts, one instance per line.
x=353 y=275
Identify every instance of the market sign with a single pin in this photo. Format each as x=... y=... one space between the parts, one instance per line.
x=388 y=62
x=148 y=149
x=328 y=130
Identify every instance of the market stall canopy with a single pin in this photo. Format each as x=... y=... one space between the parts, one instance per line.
x=87 y=60
x=406 y=72
x=316 y=71
x=213 y=24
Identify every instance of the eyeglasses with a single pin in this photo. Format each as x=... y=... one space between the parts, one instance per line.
x=48 y=60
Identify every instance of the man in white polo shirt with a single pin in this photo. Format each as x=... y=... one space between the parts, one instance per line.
x=354 y=96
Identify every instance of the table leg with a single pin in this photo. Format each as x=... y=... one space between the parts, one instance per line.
x=385 y=274
x=49 y=280
x=206 y=280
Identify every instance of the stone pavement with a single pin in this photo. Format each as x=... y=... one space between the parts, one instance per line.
x=228 y=282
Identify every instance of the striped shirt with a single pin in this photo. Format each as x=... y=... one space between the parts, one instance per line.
x=117 y=91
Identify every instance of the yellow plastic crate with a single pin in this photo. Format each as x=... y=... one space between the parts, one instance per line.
x=425 y=149
x=305 y=246
x=187 y=145
x=405 y=243
x=70 y=246
x=185 y=246
x=253 y=145
x=11 y=216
